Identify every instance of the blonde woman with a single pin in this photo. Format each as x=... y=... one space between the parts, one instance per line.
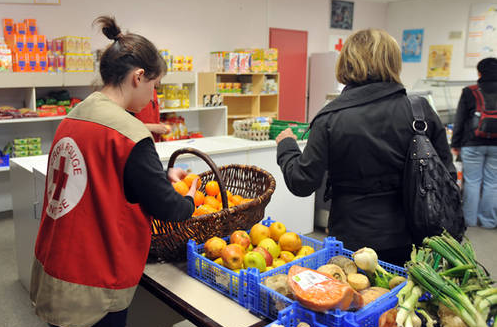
x=361 y=139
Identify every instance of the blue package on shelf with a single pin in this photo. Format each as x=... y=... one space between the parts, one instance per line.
x=4 y=160
x=228 y=282
x=266 y=302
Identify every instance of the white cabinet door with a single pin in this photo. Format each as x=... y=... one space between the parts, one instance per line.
x=296 y=213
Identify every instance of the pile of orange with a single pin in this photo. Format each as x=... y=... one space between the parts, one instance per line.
x=209 y=202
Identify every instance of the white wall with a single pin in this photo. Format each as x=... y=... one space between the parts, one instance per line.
x=438 y=18
x=196 y=27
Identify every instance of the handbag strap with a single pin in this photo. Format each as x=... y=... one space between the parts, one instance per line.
x=419 y=124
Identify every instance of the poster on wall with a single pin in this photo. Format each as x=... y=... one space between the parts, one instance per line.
x=342 y=14
x=439 y=58
x=412 y=44
x=481 y=39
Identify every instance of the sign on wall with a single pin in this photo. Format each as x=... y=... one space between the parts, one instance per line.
x=439 y=58
x=342 y=14
x=482 y=33
x=412 y=44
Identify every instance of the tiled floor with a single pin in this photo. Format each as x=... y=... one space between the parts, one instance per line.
x=16 y=311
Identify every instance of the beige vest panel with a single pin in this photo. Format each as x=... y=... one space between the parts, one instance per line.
x=77 y=305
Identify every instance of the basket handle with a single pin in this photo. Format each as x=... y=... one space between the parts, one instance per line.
x=205 y=157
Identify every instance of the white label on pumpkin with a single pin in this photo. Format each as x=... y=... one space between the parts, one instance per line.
x=307 y=279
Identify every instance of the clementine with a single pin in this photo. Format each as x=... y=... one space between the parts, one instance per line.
x=210 y=200
x=212 y=188
x=198 y=198
x=228 y=194
x=236 y=199
x=190 y=178
x=181 y=187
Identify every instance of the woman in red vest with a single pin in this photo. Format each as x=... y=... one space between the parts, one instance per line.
x=104 y=183
x=150 y=116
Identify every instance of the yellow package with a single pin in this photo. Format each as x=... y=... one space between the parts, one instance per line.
x=85 y=45
x=257 y=66
x=71 y=60
x=271 y=54
x=257 y=54
x=88 y=62
x=271 y=66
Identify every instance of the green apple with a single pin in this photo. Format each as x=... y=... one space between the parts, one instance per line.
x=270 y=245
x=254 y=260
x=278 y=262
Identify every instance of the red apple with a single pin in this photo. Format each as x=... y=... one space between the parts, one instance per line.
x=232 y=256
x=240 y=237
x=265 y=253
x=213 y=247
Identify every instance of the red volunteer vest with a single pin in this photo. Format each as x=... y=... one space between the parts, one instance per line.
x=89 y=234
x=150 y=115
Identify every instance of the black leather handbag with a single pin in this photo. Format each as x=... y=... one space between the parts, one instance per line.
x=432 y=199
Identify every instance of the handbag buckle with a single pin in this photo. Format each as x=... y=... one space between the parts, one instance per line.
x=419 y=126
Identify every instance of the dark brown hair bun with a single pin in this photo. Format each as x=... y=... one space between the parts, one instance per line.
x=109 y=27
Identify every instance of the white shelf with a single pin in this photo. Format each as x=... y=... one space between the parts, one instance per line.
x=27 y=80
x=4 y=169
x=179 y=78
x=192 y=109
x=31 y=120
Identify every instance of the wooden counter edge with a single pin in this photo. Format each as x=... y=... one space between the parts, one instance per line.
x=182 y=307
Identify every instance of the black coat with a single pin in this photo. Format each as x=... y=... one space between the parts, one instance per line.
x=361 y=139
x=464 y=130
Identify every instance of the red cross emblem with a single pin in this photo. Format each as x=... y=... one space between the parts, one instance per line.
x=339 y=45
x=59 y=178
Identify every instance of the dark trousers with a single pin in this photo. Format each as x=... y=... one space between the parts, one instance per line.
x=396 y=256
x=112 y=319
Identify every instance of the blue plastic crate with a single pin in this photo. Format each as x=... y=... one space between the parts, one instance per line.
x=293 y=315
x=266 y=302
x=233 y=285
x=4 y=160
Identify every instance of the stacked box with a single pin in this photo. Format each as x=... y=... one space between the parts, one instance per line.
x=27 y=147
x=71 y=54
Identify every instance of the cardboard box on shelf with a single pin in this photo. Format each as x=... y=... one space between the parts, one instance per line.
x=8 y=27
x=85 y=45
x=271 y=54
x=31 y=26
x=20 y=28
x=270 y=66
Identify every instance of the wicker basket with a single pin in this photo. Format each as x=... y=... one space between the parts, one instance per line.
x=169 y=238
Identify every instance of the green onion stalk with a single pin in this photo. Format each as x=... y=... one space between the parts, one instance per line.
x=447 y=292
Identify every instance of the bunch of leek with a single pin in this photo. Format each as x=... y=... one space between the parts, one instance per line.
x=447 y=292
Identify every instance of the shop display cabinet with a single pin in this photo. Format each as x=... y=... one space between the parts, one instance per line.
x=244 y=105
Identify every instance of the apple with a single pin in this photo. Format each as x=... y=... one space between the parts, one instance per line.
x=300 y=256
x=276 y=230
x=213 y=247
x=278 y=262
x=305 y=250
x=219 y=261
x=240 y=237
x=265 y=253
x=287 y=256
x=272 y=247
x=269 y=268
x=258 y=233
x=232 y=256
x=255 y=260
x=250 y=248
x=290 y=242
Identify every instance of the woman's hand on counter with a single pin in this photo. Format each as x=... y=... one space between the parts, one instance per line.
x=284 y=134
x=158 y=128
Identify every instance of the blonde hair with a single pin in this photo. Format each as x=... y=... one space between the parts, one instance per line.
x=370 y=54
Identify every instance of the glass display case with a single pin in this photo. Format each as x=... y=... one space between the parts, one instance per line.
x=443 y=95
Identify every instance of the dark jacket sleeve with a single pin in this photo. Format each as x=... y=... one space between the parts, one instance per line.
x=146 y=183
x=438 y=137
x=462 y=116
x=304 y=171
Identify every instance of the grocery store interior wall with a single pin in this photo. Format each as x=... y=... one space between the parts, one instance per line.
x=438 y=18
x=196 y=27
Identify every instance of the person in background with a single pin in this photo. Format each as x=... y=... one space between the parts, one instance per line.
x=150 y=116
x=478 y=154
x=361 y=138
x=104 y=183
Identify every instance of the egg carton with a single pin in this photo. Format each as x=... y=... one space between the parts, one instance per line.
x=262 y=135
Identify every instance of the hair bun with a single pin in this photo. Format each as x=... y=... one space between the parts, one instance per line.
x=109 y=27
